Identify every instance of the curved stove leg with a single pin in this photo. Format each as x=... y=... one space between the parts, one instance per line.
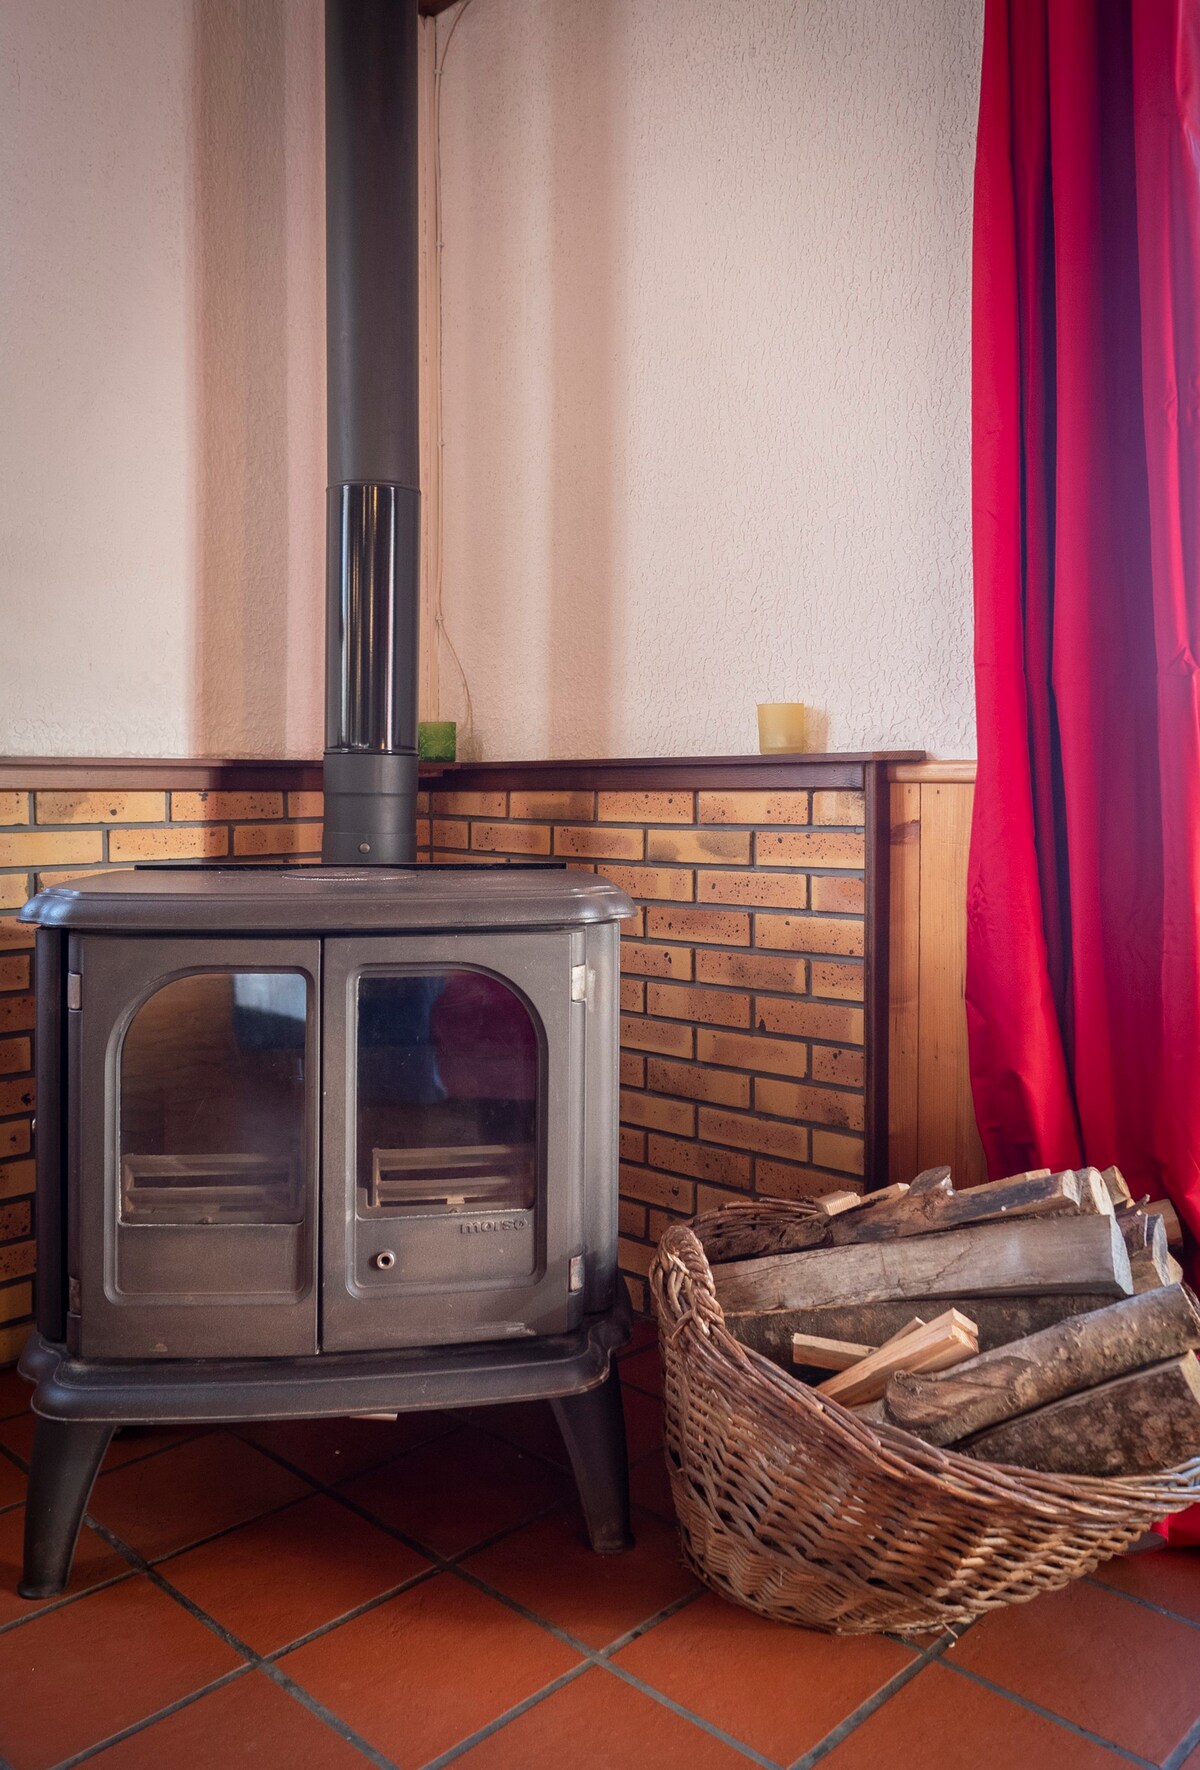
x=593 y=1429
x=66 y=1457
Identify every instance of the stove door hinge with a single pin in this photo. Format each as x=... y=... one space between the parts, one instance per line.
x=583 y=984
x=74 y=991
x=575 y=1273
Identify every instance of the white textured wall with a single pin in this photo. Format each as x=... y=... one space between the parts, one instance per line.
x=706 y=353
x=162 y=449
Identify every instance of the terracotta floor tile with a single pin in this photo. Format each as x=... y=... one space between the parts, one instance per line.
x=645 y=1333
x=423 y=1671
x=284 y=1575
x=1170 y=1577
x=169 y=1501
x=12 y=1483
x=549 y=1568
x=250 y=1721
x=334 y=1450
x=14 y=1392
x=650 y=1486
x=1060 y=1651
x=949 y=1723
x=776 y=1688
x=458 y=1491
x=530 y=1425
x=94 y=1562
x=644 y=1371
x=643 y=1423
x=598 y=1722
x=75 y=1675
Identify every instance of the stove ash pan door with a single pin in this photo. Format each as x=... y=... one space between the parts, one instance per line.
x=454 y=1077
x=192 y=1146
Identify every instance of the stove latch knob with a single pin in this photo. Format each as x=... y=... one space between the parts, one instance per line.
x=384 y=1260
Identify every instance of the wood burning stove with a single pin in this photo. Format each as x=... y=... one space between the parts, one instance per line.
x=332 y=1139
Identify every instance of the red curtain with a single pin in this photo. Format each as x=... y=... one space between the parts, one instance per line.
x=1083 y=956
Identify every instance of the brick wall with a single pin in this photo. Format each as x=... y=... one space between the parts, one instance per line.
x=742 y=1033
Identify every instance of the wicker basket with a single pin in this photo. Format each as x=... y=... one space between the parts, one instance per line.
x=791 y=1505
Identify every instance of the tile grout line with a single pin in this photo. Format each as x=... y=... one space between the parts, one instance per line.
x=1178 y=1756
x=1062 y=1721
x=873 y=1703
x=1188 y=1622
x=169 y=1709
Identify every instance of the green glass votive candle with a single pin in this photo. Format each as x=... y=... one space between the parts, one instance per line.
x=437 y=740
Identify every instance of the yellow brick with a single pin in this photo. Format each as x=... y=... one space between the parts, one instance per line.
x=13 y=933
x=839 y=808
x=833 y=1150
x=100 y=808
x=838 y=892
x=18 y=1096
x=423 y=804
x=719 y=927
x=633 y=1070
x=277 y=839
x=809 y=1020
x=310 y=804
x=14 y=890
x=14 y=1138
x=783 y=890
x=676 y=1116
x=677 y=883
x=715 y=1198
x=17 y=1261
x=631 y=1218
x=169 y=844
x=656 y=961
x=470 y=804
x=65 y=876
x=16 y=1220
x=633 y=1256
x=844 y=981
x=509 y=838
x=48 y=848
x=716 y=1086
x=600 y=844
x=695 y=846
x=710 y=1006
x=645 y=808
x=780 y=1057
x=834 y=1063
x=12 y=1339
x=14 y=808
x=810 y=848
x=650 y=1188
x=633 y=927
x=424 y=832
x=16 y=1056
x=820 y=1106
x=761 y=1135
x=753 y=971
x=638 y=1294
x=17 y=1179
x=782 y=1180
x=811 y=934
x=633 y=995
x=214 y=807
x=450 y=832
x=754 y=808
x=553 y=807
x=723 y=1166
x=632 y=1145
x=16 y=1013
x=671 y=1038
x=16 y=1302
x=14 y=971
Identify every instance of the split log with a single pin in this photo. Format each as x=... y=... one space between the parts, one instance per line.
x=1118 y=1188
x=1093 y=1193
x=931 y=1180
x=1000 y=1201
x=1077 y=1354
x=1163 y=1208
x=933 y=1346
x=1000 y=1320
x=740 y=1231
x=1129 y=1426
x=824 y=1354
x=831 y=1204
x=1037 y=1254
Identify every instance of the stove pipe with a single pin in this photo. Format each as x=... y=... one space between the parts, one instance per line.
x=373 y=532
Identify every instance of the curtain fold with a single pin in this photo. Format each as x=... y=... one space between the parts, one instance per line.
x=1083 y=949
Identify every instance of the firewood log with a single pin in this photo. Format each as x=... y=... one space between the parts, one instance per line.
x=1034 y=1254
x=929 y=1346
x=1000 y=1201
x=1000 y=1320
x=1131 y=1425
x=1118 y=1189
x=825 y=1354
x=1076 y=1354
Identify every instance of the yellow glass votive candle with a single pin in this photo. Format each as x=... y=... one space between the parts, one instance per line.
x=780 y=726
